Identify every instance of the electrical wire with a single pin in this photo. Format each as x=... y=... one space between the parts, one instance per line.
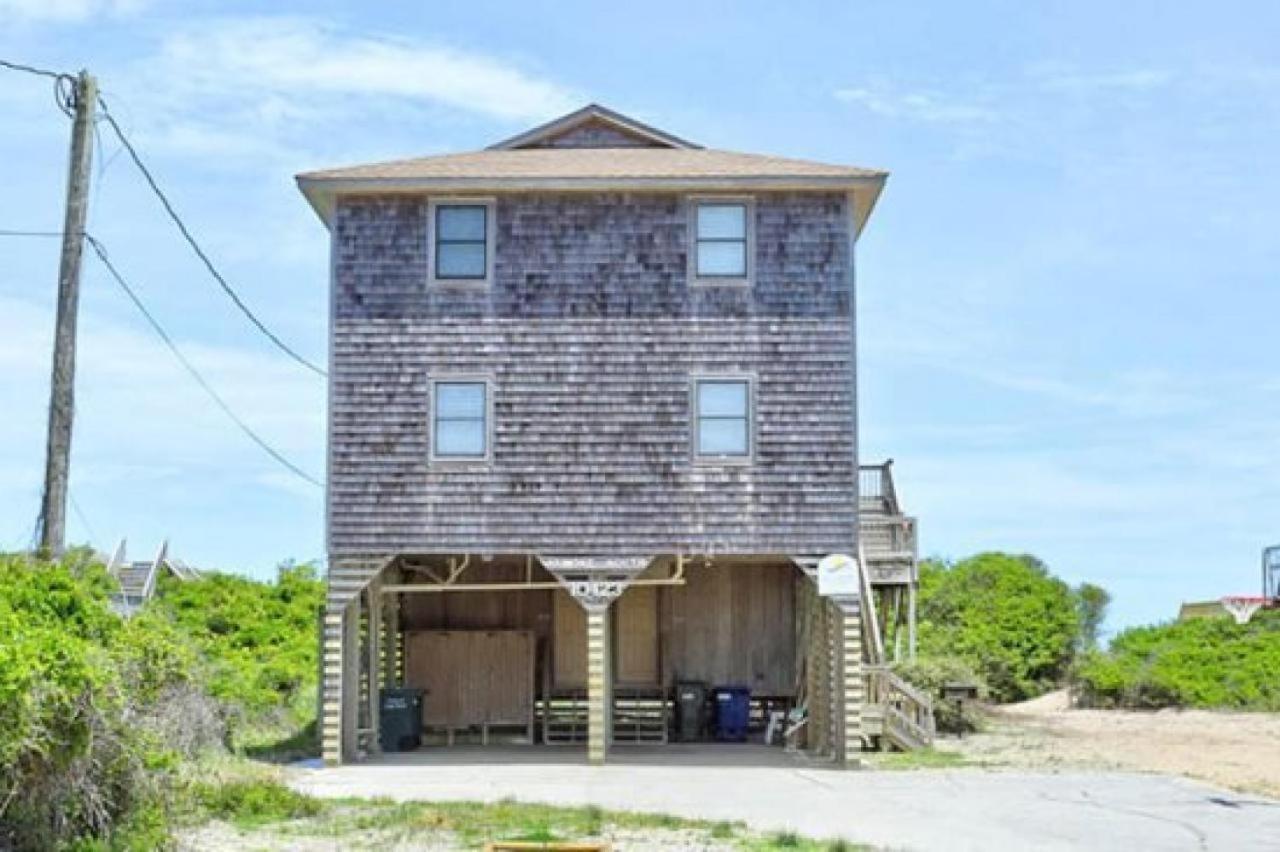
x=101 y=252
x=195 y=246
x=31 y=69
x=7 y=233
x=75 y=506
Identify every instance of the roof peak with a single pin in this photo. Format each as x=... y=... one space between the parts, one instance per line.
x=547 y=135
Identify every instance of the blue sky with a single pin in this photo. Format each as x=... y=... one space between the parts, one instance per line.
x=1068 y=291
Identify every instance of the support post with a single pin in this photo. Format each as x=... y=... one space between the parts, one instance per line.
x=351 y=679
x=911 y=620
x=373 y=625
x=331 y=687
x=595 y=582
x=853 y=687
x=599 y=688
x=391 y=640
x=53 y=505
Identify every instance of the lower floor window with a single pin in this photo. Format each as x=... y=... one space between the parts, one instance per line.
x=460 y=420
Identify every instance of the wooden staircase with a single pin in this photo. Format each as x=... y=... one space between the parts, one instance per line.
x=896 y=715
x=887 y=534
x=137 y=579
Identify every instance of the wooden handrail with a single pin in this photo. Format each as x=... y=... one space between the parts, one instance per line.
x=895 y=681
x=902 y=703
x=870 y=619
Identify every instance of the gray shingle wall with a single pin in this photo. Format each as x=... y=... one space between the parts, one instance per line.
x=591 y=333
x=595 y=134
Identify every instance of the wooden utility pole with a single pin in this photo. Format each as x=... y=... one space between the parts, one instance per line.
x=53 y=508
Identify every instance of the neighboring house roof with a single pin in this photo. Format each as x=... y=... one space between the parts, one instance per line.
x=1201 y=609
x=651 y=160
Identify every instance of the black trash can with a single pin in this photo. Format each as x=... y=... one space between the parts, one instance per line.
x=691 y=710
x=400 y=719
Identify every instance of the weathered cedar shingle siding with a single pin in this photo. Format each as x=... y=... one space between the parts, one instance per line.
x=591 y=333
x=595 y=134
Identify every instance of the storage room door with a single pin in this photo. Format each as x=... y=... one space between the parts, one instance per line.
x=636 y=637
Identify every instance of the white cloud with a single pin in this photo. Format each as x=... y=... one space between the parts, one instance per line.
x=293 y=64
x=1067 y=79
x=916 y=105
x=65 y=11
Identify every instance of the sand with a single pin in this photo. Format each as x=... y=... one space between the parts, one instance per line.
x=1240 y=751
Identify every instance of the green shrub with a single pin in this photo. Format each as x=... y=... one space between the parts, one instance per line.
x=260 y=643
x=80 y=689
x=1007 y=616
x=1206 y=662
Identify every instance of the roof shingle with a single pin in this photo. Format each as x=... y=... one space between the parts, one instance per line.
x=593 y=163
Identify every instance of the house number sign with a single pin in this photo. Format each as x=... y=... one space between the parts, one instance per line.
x=595 y=589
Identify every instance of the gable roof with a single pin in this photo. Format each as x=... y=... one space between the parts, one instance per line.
x=592 y=114
x=664 y=163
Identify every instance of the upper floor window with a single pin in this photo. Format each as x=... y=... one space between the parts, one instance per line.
x=462 y=240
x=460 y=420
x=722 y=411
x=722 y=240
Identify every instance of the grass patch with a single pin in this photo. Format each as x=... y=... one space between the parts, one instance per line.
x=790 y=840
x=253 y=802
x=254 y=798
x=925 y=758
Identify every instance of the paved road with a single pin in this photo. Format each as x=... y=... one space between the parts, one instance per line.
x=925 y=810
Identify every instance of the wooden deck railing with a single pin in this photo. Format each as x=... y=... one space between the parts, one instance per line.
x=875 y=482
x=908 y=712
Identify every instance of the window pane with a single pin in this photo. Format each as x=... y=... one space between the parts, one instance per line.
x=722 y=221
x=722 y=437
x=722 y=259
x=460 y=260
x=460 y=399
x=722 y=399
x=460 y=437
x=460 y=223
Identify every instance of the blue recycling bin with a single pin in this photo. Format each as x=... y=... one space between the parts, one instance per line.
x=733 y=712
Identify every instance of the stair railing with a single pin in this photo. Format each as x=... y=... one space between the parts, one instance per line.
x=906 y=708
x=872 y=639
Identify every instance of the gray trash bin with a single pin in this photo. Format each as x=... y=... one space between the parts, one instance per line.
x=400 y=718
x=691 y=710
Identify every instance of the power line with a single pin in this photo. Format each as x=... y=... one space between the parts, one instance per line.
x=31 y=69
x=101 y=251
x=195 y=246
x=7 y=233
x=80 y=514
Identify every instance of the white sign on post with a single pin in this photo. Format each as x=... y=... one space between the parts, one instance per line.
x=838 y=575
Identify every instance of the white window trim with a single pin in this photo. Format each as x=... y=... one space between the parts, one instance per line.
x=700 y=458
x=749 y=202
x=461 y=378
x=490 y=226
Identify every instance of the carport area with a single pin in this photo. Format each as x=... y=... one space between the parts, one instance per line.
x=666 y=658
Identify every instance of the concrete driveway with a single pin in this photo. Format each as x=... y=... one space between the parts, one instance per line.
x=926 y=810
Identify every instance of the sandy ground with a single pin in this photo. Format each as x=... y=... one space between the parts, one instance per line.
x=1240 y=751
x=220 y=837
